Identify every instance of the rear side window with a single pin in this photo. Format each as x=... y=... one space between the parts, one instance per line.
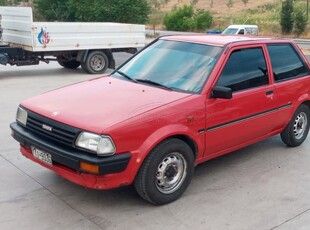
x=286 y=62
x=245 y=69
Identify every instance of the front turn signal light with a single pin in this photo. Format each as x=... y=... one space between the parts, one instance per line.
x=89 y=167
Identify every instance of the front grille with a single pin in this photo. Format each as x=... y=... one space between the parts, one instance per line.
x=59 y=132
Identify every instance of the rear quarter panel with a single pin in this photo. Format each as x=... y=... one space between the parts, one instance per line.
x=294 y=92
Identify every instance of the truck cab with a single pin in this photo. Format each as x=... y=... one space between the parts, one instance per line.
x=241 y=30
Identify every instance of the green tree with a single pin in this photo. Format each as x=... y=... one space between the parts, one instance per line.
x=126 y=11
x=155 y=16
x=11 y=2
x=300 y=22
x=3 y=2
x=56 y=10
x=287 y=17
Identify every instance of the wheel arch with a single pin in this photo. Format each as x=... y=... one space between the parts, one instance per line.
x=307 y=103
x=110 y=58
x=82 y=56
x=183 y=137
x=188 y=140
x=296 y=131
x=146 y=148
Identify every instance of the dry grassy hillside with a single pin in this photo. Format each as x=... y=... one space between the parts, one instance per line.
x=219 y=6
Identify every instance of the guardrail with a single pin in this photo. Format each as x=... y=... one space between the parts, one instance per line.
x=303 y=41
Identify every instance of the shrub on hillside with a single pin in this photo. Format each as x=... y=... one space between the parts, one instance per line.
x=179 y=19
x=203 y=19
x=186 y=18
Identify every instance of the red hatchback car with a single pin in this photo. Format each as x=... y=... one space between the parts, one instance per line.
x=179 y=102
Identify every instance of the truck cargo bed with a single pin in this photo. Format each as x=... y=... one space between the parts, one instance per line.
x=19 y=30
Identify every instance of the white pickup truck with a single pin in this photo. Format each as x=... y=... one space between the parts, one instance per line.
x=241 y=30
x=71 y=44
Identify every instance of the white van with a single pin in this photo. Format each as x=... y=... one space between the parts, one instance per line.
x=241 y=29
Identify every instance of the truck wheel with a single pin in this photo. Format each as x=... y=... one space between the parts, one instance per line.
x=73 y=64
x=166 y=172
x=96 y=62
x=297 y=130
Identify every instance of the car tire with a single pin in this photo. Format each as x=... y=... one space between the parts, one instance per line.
x=297 y=129
x=96 y=62
x=166 y=172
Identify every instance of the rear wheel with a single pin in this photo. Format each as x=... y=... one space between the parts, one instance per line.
x=96 y=62
x=297 y=130
x=166 y=172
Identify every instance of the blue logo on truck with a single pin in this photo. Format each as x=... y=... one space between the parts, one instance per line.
x=44 y=37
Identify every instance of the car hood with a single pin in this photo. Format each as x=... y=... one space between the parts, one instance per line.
x=100 y=103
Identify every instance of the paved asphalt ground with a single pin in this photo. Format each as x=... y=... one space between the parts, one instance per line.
x=264 y=186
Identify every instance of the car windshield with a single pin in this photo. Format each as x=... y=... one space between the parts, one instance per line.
x=230 y=31
x=180 y=66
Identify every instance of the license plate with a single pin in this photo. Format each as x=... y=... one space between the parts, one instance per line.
x=42 y=156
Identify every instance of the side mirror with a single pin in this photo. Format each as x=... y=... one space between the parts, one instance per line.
x=221 y=92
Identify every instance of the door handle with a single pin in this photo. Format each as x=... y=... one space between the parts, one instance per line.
x=269 y=92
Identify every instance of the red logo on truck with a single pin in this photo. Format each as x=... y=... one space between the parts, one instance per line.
x=44 y=37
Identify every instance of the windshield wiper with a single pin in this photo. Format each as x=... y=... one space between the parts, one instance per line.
x=150 y=82
x=125 y=76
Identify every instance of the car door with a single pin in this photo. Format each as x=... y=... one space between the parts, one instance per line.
x=291 y=76
x=249 y=114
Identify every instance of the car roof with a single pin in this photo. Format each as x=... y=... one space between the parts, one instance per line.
x=242 y=26
x=221 y=39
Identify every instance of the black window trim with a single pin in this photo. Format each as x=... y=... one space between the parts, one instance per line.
x=253 y=46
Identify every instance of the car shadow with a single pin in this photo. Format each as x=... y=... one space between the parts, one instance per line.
x=20 y=72
x=205 y=176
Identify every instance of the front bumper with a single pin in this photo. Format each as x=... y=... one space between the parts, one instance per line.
x=66 y=160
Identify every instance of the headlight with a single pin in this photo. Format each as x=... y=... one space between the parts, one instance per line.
x=21 y=116
x=102 y=145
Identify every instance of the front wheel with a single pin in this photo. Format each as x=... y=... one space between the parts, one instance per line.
x=96 y=62
x=166 y=172
x=297 y=130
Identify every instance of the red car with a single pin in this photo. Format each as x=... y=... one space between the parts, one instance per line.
x=177 y=103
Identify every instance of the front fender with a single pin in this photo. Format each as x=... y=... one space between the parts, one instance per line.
x=161 y=134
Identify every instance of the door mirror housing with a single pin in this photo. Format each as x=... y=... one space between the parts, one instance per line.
x=221 y=92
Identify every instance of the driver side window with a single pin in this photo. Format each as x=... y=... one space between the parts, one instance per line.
x=241 y=31
x=245 y=69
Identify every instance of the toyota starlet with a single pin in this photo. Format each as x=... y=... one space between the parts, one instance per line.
x=179 y=102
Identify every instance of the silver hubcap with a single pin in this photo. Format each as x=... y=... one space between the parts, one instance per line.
x=300 y=125
x=97 y=63
x=171 y=173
